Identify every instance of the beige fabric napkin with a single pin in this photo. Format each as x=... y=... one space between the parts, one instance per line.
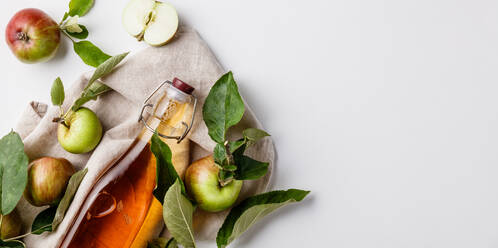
x=188 y=58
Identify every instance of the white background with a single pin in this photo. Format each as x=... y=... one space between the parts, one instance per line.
x=386 y=110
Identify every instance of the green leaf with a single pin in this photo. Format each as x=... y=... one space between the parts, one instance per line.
x=66 y=15
x=12 y=244
x=252 y=210
x=166 y=174
x=225 y=177
x=81 y=35
x=43 y=221
x=223 y=107
x=106 y=67
x=79 y=7
x=13 y=171
x=172 y=243
x=253 y=135
x=89 y=53
x=248 y=168
x=72 y=187
x=219 y=154
x=96 y=89
x=162 y=243
x=236 y=145
x=230 y=167
x=57 y=92
x=93 y=89
x=178 y=212
x=157 y=243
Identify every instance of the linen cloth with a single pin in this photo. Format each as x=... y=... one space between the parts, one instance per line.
x=187 y=57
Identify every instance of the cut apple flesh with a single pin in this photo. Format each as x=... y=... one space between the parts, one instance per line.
x=136 y=15
x=153 y=21
x=163 y=25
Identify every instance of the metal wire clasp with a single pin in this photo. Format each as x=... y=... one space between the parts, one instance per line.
x=145 y=105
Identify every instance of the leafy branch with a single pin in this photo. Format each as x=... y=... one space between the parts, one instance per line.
x=92 y=90
x=223 y=109
x=69 y=27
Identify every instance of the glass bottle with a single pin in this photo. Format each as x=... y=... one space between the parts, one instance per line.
x=120 y=210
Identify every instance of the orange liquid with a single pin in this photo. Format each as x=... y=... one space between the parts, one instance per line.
x=115 y=209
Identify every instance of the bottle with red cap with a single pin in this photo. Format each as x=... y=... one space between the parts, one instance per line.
x=120 y=210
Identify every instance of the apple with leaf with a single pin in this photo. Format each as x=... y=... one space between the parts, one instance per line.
x=33 y=36
x=213 y=183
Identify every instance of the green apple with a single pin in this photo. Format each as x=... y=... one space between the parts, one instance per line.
x=152 y=21
x=81 y=131
x=202 y=184
x=47 y=180
x=11 y=225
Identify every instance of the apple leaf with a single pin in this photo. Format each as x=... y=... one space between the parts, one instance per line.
x=72 y=187
x=163 y=243
x=253 y=209
x=43 y=221
x=248 y=168
x=172 y=243
x=236 y=145
x=223 y=108
x=253 y=135
x=66 y=15
x=12 y=244
x=57 y=92
x=13 y=171
x=79 y=7
x=225 y=176
x=80 y=35
x=89 y=53
x=157 y=243
x=166 y=174
x=96 y=89
x=106 y=67
x=178 y=213
x=93 y=89
x=219 y=154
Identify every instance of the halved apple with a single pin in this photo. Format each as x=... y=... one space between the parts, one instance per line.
x=152 y=21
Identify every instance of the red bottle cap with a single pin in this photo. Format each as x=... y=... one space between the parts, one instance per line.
x=179 y=84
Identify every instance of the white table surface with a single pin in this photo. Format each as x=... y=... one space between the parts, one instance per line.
x=386 y=110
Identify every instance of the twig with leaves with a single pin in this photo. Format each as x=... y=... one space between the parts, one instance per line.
x=93 y=89
x=222 y=109
x=69 y=26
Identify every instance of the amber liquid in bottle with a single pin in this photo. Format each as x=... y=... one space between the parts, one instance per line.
x=116 y=208
x=118 y=204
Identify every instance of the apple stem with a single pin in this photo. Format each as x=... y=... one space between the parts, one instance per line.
x=228 y=154
x=61 y=121
x=18 y=237
x=68 y=36
x=22 y=36
x=1 y=221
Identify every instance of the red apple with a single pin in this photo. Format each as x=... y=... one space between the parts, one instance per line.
x=11 y=225
x=32 y=35
x=47 y=180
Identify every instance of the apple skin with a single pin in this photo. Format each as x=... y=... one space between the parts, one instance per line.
x=11 y=225
x=83 y=131
x=202 y=184
x=32 y=35
x=47 y=180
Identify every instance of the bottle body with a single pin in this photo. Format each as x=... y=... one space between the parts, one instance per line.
x=120 y=210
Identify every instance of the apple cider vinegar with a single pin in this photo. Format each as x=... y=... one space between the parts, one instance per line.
x=120 y=210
